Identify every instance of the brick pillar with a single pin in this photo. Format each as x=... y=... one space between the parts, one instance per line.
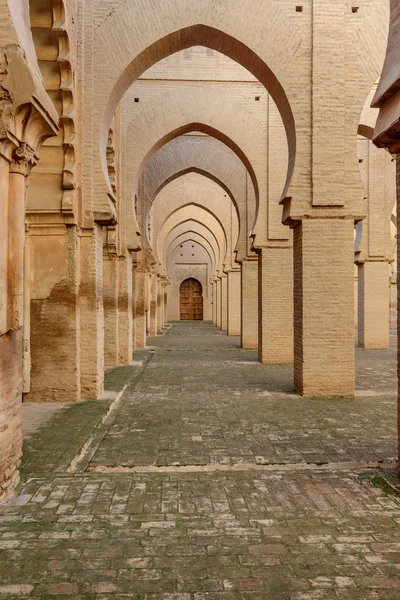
x=125 y=320
x=275 y=302
x=355 y=296
x=373 y=305
x=12 y=228
x=218 y=287
x=159 y=304
x=140 y=304
x=214 y=302
x=153 y=304
x=224 y=303
x=165 y=305
x=92 y=313
x=249 y=298
x=133 y=302
x=110 y=301
x=27 y=362
x=234 y=302
x=54 y=308
x=398 y=309
x=324 y=307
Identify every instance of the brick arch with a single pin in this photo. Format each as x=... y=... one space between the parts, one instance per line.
x=191 y=193
x=212 y=132
x=208 y=156
x=153 y=164
x=213 y=227
x=206 y=174
x=202 y=208
x=205 y=153
x=191 y=237
x=204 y=231
x=215 y=39
x=196 y=229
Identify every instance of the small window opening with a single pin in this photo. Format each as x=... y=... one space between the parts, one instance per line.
x=354 y=9
x=257 y=98
x=137 y=99
x=360 y=160
x=299 y=9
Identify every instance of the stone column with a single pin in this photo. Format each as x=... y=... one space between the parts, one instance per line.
x=153 y=304
x=249 y=298
x=125 y=321
x=373 y=305
x=275 y=302
x=110 y=302
x=140 y=303
x=324 y=307
x=218 y=288
x=234 y=302
x=224 y=303
x=92 y=313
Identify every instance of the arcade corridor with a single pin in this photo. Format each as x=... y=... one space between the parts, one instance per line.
x=208 y=478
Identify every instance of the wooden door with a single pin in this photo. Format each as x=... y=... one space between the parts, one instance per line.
x=191 y=300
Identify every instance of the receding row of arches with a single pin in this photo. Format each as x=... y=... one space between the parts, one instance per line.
x=172 y=163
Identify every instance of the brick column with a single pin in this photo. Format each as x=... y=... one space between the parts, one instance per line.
x=214 y=302
x=54 y=308
x=275 y=302
x=140 y=304
x=166 y=305
x=92 y=313
x=355 y=296
x=249 y=299
x=110 y=303
x=13 y=192
x=234 y=302
x=373 y=305
x=153 y=304
x=218 y=287
x=224 y=303
x=160 y=317
x=125 y=320
x=324 y=307
x=133 y=303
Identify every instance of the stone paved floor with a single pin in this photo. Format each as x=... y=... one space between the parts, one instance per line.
x=209 y=478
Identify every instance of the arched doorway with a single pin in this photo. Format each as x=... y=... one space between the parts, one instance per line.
x=191 y=300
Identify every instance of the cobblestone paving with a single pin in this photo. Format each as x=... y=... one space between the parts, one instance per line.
x=292 y=532
x=203 y=400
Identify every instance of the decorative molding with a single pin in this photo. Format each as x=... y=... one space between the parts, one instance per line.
x=23 y=159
